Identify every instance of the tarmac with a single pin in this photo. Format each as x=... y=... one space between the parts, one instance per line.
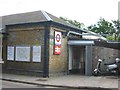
x=68 y=81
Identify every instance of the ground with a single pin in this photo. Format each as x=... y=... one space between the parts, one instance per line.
x=8 y=85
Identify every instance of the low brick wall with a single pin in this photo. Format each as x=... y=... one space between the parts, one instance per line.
x=108 y=54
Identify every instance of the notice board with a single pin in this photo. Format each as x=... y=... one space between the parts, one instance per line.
x=36 y=54
x=23 y=53
x=10 y=53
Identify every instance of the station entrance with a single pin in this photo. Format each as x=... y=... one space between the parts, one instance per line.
x=80 y=57
x=78 y=60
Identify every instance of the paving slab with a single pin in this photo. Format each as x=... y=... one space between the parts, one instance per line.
x=70 y=81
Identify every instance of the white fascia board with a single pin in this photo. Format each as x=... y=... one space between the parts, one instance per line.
x=77 y=42
x=46 y=16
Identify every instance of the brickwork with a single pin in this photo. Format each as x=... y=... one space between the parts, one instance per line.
x=108 y=54
x=57 y=63
x=29 y=36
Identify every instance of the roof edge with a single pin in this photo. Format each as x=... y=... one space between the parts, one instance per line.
x=46 y=16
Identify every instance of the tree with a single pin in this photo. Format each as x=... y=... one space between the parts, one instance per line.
x=73 y=22
x=110 y=30
x=102 y=27
x=117 y=29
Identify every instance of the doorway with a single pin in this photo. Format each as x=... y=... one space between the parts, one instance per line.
x=80 y=57
x=77 y=60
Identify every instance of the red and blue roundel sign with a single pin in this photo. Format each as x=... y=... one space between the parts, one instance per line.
x=57 y=38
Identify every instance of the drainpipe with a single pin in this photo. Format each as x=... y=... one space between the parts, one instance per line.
x=1 y=61
x=46 y=51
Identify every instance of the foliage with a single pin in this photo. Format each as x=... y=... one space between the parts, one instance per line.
x=110 y=38
x=73 y=22
x=110 y=30
x=116 y=24
x=102 y=27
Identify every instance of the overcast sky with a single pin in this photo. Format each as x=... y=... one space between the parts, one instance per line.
x=84 y=11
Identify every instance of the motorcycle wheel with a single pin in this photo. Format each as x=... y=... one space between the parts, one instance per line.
x=95 y=73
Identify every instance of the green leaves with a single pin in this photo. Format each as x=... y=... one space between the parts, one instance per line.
x=102 y=27
x=110 y=30
x=73 y=22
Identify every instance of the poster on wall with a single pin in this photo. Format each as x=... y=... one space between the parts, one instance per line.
x=10 y=53
x=22 y=53
x=57 y=38
x=36 y=54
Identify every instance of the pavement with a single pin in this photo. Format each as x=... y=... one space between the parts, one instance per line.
x=68 y=81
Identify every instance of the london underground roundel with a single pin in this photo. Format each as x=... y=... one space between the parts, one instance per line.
x=57 y=38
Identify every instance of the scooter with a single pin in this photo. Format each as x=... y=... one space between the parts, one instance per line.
x=109 y=68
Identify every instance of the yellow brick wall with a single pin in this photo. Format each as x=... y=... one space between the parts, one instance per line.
x=57 y=63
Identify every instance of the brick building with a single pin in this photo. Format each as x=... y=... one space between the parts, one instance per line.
x=38 y=43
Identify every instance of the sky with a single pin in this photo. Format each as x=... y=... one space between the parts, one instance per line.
x=84 y=11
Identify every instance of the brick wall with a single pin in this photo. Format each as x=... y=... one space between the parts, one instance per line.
x=24 y=36
x=108 y=54
x=57 y=63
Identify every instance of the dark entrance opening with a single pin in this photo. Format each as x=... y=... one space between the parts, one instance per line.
x=77 y=60
x=80 y=57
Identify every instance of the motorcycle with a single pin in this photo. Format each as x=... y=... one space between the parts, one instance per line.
x=107 y=68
